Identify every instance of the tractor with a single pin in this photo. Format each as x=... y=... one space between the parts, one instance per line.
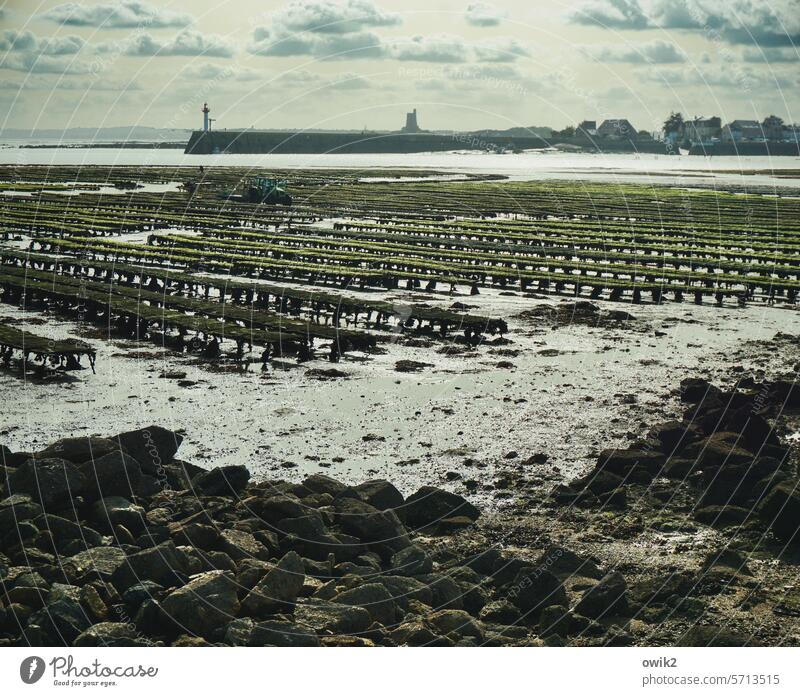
x=259 y=189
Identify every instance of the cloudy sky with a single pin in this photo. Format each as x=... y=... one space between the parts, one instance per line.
x=356 y=63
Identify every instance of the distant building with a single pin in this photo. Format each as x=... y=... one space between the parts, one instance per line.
x=586 y=128
x=411 y=123
x=773 y=127
x=791 y=134
x=741 y=130
x=617 y=129
x=702 y=130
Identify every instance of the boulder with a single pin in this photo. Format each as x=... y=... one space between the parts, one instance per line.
x=51 y=482
x=780 y=510
x=500 y=612
x=369 y=524
x=607 y=597
x=673 y=436
x=625 y=462
x=404 y=589
x=17 y=508
x=717 y=449
x=153 y=447
x=411 y=560
x=111 y=635
x=207 y=602
x=222 y=480
x=282 y=634
x=381 y=494
x=332 y=618
x=116 y=510
x=454 y=621
x=430 y=504
x=115 y=474
x=715 y=637
x=104 y=561
x=319 y=483
x=79 y=449
x=62 y=620
x=535 y=588
x=277 y=591
x=696 y=389
x=163 y=564
x=239 y=544
x=373 y=597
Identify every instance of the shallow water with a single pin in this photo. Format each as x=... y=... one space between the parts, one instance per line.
x=632 y=168
x=462 y=408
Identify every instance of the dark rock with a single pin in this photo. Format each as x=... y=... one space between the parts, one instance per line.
x=780 y=510
x=404 y=589
x=373 y=597
x=695 y=390
x=607 y=597
x=115 y=474
x=282 y=634
x=332 y=618
x=319 y=483
x=163 y=564
x=715 y=636
x=411 y=560
x=239 y=544
x=153 y=447
x=103 y=561
x=204 y=604
x=62 y=620
x=429 y=505
x=722 y=515
x=138 y=594
x=500 y=612
x=277 y=591
x=370 y=524
x=17 y=508
x=454 y=621
x=116 y=510
x=111 y=635
x=535 y=588
x=562 y=562
x=380 y=494
x=222 y=481
x=51 y=482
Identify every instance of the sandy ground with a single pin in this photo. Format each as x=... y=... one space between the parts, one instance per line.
x=572 y=390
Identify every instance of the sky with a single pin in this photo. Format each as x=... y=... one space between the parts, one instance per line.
x=351 y=64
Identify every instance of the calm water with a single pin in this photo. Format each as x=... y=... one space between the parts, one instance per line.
x=647 y=168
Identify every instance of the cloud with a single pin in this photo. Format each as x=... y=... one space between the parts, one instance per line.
x=214 y=72
x=268 y=42
x=740 y=77
x=480 y=14
x=122 y=14
x=49 y=46
x=326 y=17
x=436 y=48
x=759 y=22
x=46 y=83
x=38 y=63
x=771 y=55
x=187 y=43
x=652 y=52
x=500 y=50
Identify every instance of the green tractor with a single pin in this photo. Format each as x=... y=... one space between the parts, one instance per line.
x=259 y=189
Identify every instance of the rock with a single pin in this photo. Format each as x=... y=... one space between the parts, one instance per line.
x=282 y=634
x=63 y=530
x=404 y=589
x=153 y=447
x=51 y=482
x=727 y=567
x=332 y=618
x=62 y=620
x=453 y=525
x=111 y=635
x=17 y=508
x=416 y=634
x=163 y=564
x=381 y=494
x=454 y=621
x=411 y=560
x=715 y=636
x=222 y=480
x=608 y=597
x=115 y=474
x=626 y=462
x=722 y=515
x=116 y=510
x=204 y=604
x=695 y=390
x=239 y=544
x=535 y=588
x=102 y=560
x=780 y=510
x=373 y=597
x=277 y=591
x=369 y=524
x=411 y=366
x=562 y=562
x=79 y=449
x=717 y=449
x=429 y=505
x=319 y=483
x=500 y=612
x=598 y=482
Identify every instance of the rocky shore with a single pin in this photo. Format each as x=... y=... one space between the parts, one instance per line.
x=688 y=537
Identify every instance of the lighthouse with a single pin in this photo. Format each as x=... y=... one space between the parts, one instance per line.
x=206 y=120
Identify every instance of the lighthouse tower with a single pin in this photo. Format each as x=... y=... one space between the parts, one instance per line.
x=206 y=120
